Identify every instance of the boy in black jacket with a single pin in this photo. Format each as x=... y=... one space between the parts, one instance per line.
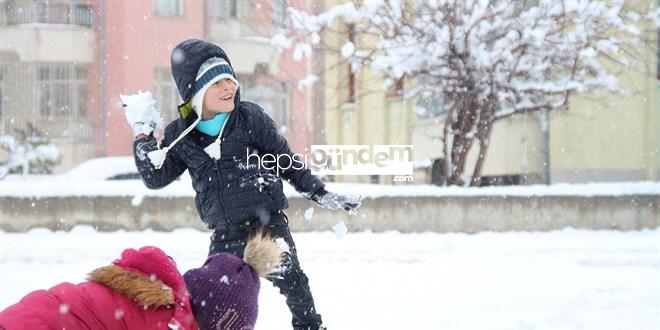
x=212 y=139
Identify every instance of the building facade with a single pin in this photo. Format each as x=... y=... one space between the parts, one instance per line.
x=47 y=56
x=607 y=138
x=64 y=63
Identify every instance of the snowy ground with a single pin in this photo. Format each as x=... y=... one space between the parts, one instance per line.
x=560 y=280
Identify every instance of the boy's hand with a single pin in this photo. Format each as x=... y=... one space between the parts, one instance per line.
x=332 y=201
x=141 y=113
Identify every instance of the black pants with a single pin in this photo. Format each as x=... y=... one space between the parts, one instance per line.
x=293 y=283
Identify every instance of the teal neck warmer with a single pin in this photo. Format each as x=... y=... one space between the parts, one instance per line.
x=213 y=126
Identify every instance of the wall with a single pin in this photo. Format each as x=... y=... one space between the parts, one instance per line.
x=406 y=214
x=137 y=41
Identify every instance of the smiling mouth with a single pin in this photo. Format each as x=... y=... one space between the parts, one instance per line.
x=226 y=98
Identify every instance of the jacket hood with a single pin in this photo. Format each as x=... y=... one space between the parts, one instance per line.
x=136 y=287
x=147 y=276
x=186 y=59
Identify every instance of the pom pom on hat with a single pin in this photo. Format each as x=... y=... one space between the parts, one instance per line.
x=224 y=291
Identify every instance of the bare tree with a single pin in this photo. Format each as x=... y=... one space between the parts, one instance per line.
x=488 y=59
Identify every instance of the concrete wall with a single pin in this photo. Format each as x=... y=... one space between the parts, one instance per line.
x=440 y=214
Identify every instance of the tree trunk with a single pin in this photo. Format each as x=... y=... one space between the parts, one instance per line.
x=484 y=141
x=462 y=142
x=460 y=148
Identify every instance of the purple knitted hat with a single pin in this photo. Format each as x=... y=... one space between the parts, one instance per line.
x=225 y=290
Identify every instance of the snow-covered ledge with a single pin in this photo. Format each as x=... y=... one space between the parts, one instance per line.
x=112 y=205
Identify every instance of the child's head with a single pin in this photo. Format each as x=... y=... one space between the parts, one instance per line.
x=207 y=85
x=224 y=291
x=215 y=88
x=196 y=66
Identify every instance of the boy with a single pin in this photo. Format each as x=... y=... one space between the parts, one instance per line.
x=212 y=140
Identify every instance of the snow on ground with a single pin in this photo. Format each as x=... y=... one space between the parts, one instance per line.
x=566 y=279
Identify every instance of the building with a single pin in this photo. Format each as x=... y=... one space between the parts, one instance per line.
x=47 y=56
x=357 y=109
x=268 y=78
x=608 y=139
x=64 y=63
x=597 y=139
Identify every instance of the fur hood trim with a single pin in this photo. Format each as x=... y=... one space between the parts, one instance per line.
x=147 y=292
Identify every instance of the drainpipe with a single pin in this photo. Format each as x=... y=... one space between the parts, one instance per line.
x=101 y=81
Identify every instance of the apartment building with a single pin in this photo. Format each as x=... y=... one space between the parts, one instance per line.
x=47 y=54
x=64 y=63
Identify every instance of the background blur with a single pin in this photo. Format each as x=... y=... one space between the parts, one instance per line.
x=63 y=64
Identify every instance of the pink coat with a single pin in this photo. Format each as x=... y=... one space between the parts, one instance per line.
x=141 y=290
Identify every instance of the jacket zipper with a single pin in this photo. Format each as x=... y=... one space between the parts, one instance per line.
x=217 y=171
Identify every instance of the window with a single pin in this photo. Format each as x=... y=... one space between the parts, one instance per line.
x=80 y=91
x=54 y=96
x=166 y=94
x=43 y=11
x=62 y=91
x=224 y=9
x=430 y=102
x=279 y=13
x=82 y=15
x=430 y=105
x=273 y=97
x=170 y=8
x=53 y=13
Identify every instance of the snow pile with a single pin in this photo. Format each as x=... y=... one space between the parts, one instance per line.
x=101 y=169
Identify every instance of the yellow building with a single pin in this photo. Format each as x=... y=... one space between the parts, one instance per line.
x=596 y=140
x=357 y=110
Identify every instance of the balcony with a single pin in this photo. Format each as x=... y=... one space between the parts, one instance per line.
x=55 y=31
x=19 y=12
x=245 y=34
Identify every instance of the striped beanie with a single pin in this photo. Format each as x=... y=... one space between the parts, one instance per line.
x=212 y=70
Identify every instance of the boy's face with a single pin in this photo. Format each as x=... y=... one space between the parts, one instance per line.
x=219 y=97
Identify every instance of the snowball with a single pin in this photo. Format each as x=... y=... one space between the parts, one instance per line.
x=309 y=213
x=340 y=229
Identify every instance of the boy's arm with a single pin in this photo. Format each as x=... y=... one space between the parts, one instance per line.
x=143 y=116
x=269 y=141
x=155 y=178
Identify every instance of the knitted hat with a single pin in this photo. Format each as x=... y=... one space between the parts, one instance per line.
x=212 y=70
x=224 y=291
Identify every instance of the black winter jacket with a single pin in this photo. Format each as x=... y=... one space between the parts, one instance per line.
x=228 y=191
